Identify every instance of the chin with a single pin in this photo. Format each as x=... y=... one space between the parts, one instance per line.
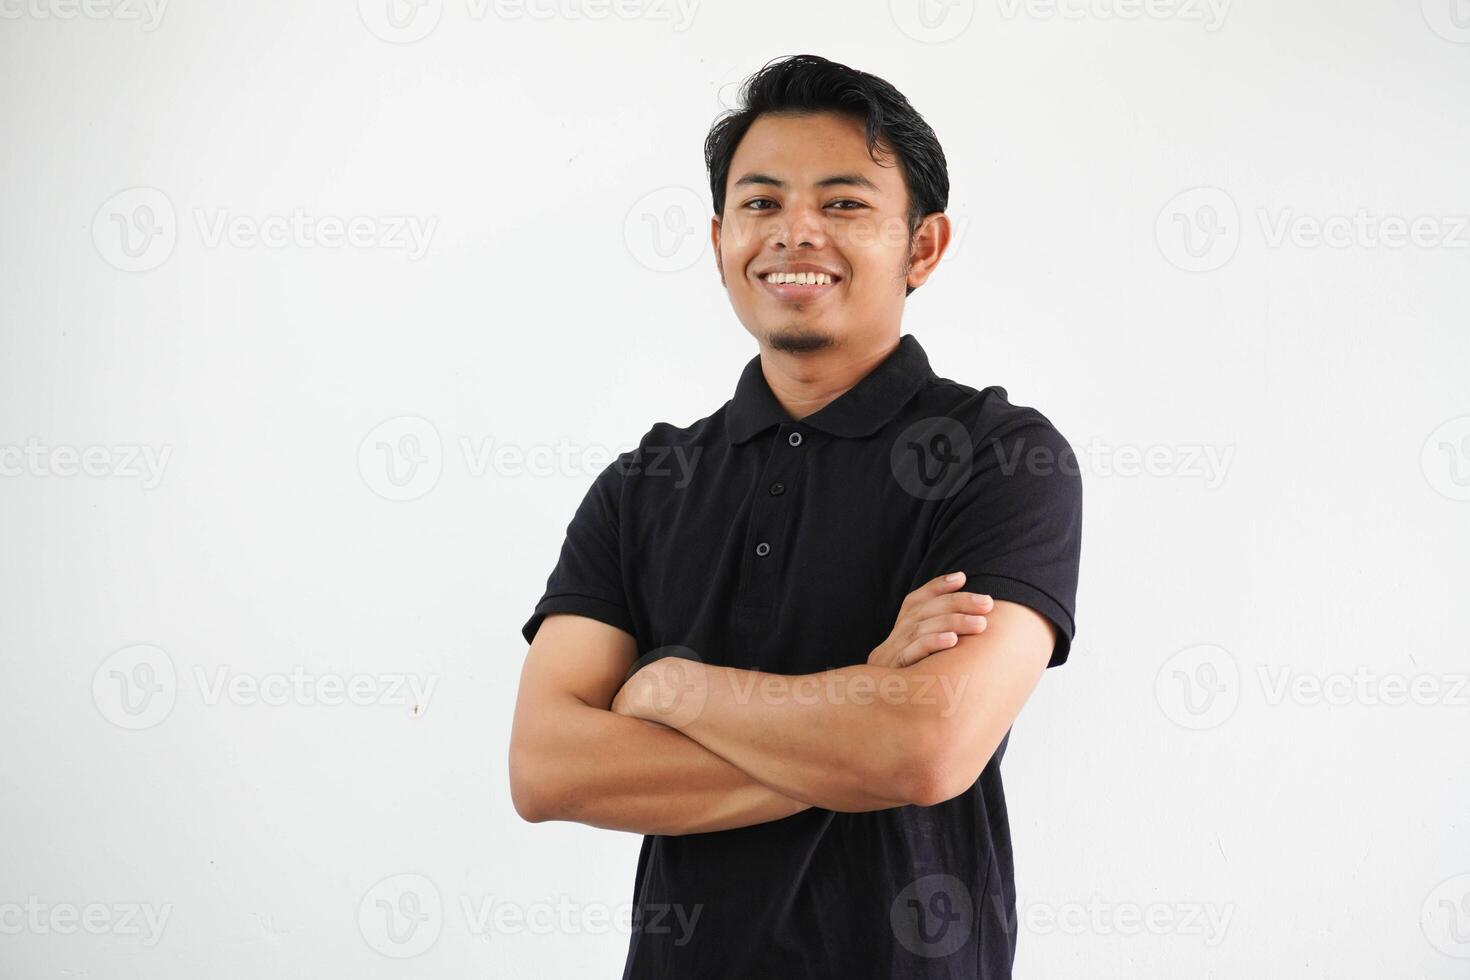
x=797 y=339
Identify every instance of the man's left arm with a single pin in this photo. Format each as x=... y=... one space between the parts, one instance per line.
x=867 y=737
x=862 y=737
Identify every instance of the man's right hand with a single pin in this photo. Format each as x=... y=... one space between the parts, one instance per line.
x=932 y=618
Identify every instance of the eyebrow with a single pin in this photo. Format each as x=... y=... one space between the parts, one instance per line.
x=836 y=180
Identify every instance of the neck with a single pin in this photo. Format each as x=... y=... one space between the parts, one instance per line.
x=805 y=382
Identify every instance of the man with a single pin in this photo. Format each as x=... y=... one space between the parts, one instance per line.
x=787 y=642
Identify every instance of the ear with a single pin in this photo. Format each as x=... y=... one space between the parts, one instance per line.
x=931 y=238
x=714 y=238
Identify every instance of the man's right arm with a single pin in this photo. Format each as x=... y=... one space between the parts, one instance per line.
x=573 y=759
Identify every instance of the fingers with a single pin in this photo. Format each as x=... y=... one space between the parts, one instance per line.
x=925 y=645
x=934 y=587
x=972 y=603
x=940 y=632
x=941 y=589
x=935 y=616
x=961 y=623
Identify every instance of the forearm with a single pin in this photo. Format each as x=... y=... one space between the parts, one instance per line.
x=594 y=767
x=851 y=739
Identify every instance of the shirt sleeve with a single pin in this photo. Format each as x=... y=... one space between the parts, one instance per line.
x=1014 y=526
x=588 y=577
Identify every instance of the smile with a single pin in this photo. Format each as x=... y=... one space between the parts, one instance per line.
x=799 y=291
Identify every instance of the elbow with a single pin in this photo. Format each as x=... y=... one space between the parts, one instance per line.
x=927 y=783
x=528 y=806
x=933 y=770
x=527 y=802
x=933 y=785
x=527 y=793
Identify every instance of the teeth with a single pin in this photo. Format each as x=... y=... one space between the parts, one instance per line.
x=800 y=278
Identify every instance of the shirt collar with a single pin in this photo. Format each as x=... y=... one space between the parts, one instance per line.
x=860 y=411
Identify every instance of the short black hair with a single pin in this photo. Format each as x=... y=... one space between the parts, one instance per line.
x=809 y=83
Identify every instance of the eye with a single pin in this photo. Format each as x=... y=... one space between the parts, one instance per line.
x=751 y=204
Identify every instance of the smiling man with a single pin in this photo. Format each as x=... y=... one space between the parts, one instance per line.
x=794 y=664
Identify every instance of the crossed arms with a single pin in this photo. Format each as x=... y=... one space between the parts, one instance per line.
x=685 y=747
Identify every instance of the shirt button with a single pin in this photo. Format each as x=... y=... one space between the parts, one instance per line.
x=794 y=438
x=777 y=489
x=763 y=549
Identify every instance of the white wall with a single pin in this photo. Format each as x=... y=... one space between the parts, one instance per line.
x=1326 y=544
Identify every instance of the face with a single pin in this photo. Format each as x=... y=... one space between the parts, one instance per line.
x=804 y=194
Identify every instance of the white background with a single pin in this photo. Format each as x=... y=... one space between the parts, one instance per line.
x=1162 y=770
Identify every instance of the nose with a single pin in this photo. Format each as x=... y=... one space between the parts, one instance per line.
x=801 y=224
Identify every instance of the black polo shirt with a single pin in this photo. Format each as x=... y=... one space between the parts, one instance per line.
x=786 y=546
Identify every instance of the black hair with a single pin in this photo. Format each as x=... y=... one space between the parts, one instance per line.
x=808 y=83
